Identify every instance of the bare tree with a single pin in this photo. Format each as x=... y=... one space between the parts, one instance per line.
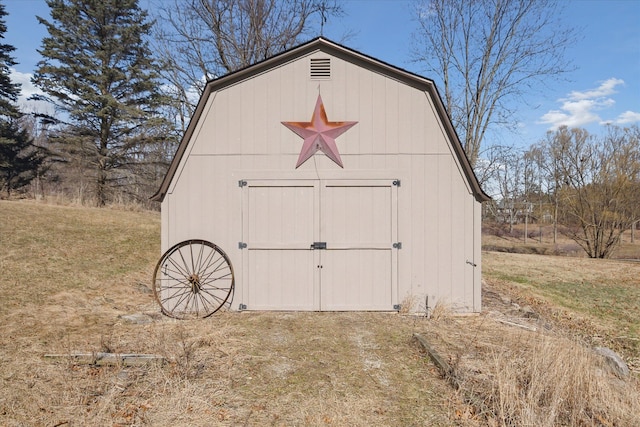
x=488 y=53
x=509 y=177
x=203 y=39
x=530 y=188
x=488 y=165
x=489 y=170
x=544 y=171
x=600 y=180
x=623 y=167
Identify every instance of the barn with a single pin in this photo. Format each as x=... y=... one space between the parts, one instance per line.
x=332 y=181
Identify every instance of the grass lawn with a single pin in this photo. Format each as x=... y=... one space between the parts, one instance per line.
x=600 y=298
x=70 y=274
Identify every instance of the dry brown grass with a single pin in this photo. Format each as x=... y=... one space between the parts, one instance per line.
x=550 y=381
x=236 y=369
x=534 y=375
x=496 y=237
x=596 y=299
x=70 y=273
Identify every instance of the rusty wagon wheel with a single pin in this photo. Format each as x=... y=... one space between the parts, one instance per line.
x=193 y=279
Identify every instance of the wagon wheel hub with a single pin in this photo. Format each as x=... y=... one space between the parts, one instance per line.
x=194 y=281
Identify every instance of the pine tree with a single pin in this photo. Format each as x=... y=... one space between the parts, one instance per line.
x=19 y=158
x=9 y=91
x=98 y=70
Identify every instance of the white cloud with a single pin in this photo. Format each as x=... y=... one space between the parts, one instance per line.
x=29 y=89
x=579 y=107
x=605 y=89
x=627 y=117
x=24 y=79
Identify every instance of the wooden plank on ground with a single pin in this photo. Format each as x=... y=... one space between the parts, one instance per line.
x=101 y=359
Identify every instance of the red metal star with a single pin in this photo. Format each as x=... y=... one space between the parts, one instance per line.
x=319 y=134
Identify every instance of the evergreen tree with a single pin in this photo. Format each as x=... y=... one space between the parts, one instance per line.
x=19 y=158
x=9 y=91
x=98 y=71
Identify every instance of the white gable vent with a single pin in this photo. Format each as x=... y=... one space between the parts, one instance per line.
x=320 y=68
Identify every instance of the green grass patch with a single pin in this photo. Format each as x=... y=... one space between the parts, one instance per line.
x=611 y=304
x=606 y=292
x=614 y=302
x=513 y=279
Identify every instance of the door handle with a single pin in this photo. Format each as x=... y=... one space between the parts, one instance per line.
x=319 y=245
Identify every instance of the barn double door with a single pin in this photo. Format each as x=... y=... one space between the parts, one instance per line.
x=320 y=245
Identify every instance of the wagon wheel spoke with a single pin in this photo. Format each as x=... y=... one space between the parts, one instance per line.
x=208 y=278
x=193 y=279
x=213 y=294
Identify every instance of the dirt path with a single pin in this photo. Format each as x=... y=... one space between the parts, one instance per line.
x=339 y=369
x=256 y=369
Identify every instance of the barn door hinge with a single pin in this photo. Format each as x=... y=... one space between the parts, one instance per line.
x=242 y=183
x=396 y=183
x=242 y=245
x=397 y=245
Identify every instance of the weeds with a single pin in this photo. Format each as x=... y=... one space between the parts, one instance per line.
x=70 y=273
x=598 y=299
x=550 y=382
x=440 y=311
x=408 y=304
x=520 y=378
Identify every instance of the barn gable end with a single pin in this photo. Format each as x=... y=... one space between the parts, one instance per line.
x=399 y=220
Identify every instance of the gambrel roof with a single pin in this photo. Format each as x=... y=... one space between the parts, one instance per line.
x=347 y=54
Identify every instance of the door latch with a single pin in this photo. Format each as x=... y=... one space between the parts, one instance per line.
x=319 y=245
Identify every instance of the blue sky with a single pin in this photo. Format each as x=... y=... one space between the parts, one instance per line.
x=605 y=87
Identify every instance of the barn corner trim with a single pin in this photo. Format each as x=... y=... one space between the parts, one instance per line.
x=333 y=48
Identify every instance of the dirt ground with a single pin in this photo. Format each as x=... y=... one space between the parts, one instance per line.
x=285 y=369
x=71 y=276
x=278 y=368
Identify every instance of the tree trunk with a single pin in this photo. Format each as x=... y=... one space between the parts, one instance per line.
x=101 y=188
x=526 y=224
x=555 y=221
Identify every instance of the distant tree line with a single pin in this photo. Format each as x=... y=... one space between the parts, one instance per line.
x=20 y=158
x=123 y=86
x=590 y=184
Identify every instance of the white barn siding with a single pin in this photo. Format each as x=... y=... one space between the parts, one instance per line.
x=399 y=135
